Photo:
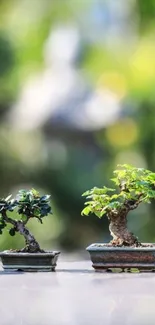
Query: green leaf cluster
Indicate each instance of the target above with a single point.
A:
(7, 204)
(28, 204)
(12, 232)
(131, 185)
(31, 204)
(100, 201)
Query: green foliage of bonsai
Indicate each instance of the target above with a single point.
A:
(133, 186)
(28, 204)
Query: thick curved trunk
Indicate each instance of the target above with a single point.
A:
(32, 245)
(118, 229)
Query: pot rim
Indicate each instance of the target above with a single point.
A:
(46, 254)
(103, 247)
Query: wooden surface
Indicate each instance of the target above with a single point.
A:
(76, 295)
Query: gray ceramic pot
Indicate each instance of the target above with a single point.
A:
(29, 261)
(108, 257)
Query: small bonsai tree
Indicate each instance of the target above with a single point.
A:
(28, 204)
(133, 186)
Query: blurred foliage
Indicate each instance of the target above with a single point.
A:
(127, 69)
(146, 11)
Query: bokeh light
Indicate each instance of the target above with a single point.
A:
(77, 97)
(123, 133)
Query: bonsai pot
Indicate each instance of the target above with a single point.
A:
(106, 257)
(29, 261)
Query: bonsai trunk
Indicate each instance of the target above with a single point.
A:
(32, 245)
(118, 230)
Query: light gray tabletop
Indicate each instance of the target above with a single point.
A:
(76, 295)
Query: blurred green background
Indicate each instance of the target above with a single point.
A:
(77, 97)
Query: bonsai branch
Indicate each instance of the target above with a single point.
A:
(40, 220)
(132, 204)
(32, 216)
(7, 219)
(122, 186)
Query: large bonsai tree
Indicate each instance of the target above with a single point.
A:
(28, 204)
(133, 186)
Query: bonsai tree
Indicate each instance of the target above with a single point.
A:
(132, 187)
(28, 204)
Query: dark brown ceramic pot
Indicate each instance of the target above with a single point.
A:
(29, 261)
(108, 257)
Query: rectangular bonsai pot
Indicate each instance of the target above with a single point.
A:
(107, 257)
(29, 261)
